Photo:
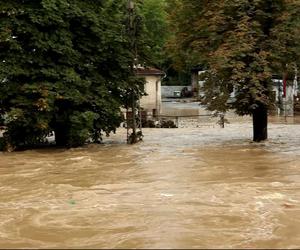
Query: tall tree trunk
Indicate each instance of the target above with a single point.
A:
(260, 123)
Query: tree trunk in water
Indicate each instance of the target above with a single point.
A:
(61, 136)
(260, 123)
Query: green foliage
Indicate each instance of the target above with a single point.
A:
(175, 77)
(156, 31)
(64, 67)
(240, 43)
(25, 128)
(82, 124)
(153, 40)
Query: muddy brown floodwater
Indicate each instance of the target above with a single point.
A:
(180, 188)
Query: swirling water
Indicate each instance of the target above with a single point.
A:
(180, 188)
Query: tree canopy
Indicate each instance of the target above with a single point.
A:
(241, 44)
(156, 32)
(64, 67)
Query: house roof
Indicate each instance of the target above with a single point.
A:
(149, 71)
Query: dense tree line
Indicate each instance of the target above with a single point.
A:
(67, 66)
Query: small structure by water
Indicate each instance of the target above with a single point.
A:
(152, 102)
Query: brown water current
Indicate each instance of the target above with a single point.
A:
(202, 187)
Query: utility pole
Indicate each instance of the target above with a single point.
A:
(135, 136)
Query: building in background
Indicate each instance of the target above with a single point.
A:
(285, 93)
(151, 103)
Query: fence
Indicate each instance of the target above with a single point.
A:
(179, 121)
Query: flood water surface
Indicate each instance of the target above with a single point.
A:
(181, 188)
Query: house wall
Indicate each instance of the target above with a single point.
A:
(149, 102)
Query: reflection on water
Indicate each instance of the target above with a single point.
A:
(180, 188)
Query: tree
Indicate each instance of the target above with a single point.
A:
(241, 43)
(156, 32)
(64, 67)
(154, 16)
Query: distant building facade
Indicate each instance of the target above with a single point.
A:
(151, 102)
(284, 94)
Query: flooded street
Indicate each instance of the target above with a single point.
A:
(200, 187)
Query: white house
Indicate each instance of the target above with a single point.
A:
(151, 102)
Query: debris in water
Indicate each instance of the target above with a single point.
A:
(286, 205)
(167, 195)
(72, 202)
